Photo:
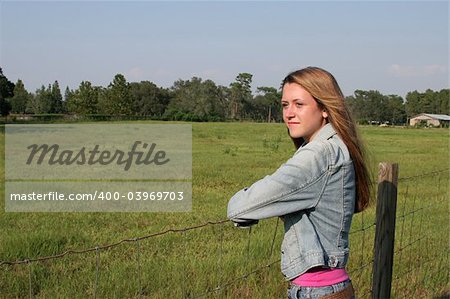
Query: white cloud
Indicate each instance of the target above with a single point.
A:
(434, 69)
(416, 71)
(135, 73)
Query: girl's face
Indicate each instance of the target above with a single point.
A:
(301, 113)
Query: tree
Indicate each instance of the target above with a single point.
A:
(368, 106)
(396, 109)
(116, 99)
(430, 101)
(6, 86)
(240, 94)
(41, 102)
(56, 102)
(5, 106)
(413, 105)
(354, 106)
(69, 100)
(376, 105)
(20, 99)
(372, 106)
(266, 104)
(149, 99)
(443, 99)
(196, 100)
(46, 100)
(84, 100)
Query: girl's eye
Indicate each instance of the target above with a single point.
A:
(299, 104)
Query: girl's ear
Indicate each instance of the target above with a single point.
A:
(324, 114)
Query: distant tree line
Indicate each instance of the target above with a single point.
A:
(372, 106)
(201, 100)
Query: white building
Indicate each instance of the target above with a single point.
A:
(436, 120)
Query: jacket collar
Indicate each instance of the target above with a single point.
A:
(326, 132)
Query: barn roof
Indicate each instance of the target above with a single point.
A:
(435, 116)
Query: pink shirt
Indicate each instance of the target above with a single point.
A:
(321, 277)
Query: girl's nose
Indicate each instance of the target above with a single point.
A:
(289, 112)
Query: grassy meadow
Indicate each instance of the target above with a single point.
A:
(219, 261)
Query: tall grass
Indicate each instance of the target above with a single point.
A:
(208, 261)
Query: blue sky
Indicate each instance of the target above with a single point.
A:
(393, 47)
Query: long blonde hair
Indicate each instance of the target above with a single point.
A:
(325, 90)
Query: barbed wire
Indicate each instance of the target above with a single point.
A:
(103, 247)
(427, 174)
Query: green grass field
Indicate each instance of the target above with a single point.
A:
(190, 264)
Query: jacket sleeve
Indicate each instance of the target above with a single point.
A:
(296, 185)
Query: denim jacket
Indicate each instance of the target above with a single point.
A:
(314, 193)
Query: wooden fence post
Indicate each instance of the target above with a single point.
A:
(385, 230)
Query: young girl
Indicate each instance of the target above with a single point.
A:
(316, 192)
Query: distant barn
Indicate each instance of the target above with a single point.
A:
(426, 119)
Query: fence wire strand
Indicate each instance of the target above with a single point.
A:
(103, 247)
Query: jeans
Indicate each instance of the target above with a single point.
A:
(298, 292)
